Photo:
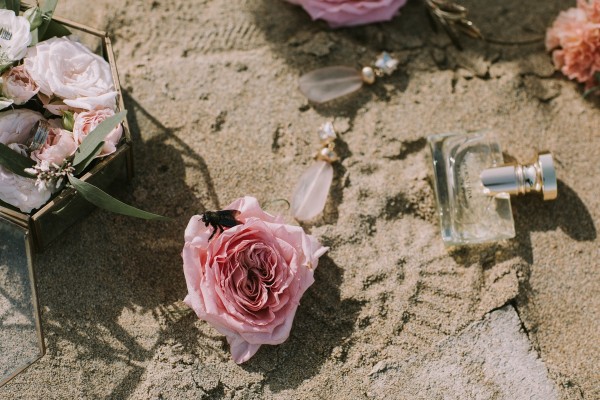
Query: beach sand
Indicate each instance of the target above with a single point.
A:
(211, 90)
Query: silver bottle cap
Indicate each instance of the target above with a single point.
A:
(539, 176)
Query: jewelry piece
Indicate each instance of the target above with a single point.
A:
(453, 18)
(325, 84)
(41, 129)
(312, 189)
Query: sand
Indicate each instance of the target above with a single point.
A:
(211, 91)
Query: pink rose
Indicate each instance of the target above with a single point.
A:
(86, 122)
(18, 86)
(574, 39)
(247, 281)
(59, 146)
(339, 13)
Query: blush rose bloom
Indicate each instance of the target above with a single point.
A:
(339, 13)
(247, 281)
(18, 191)
(15, 47)
(86, 122)
(59, 146)
(18, 86)
(574, 39)
(70, 71)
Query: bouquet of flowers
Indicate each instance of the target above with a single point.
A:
(60, 112)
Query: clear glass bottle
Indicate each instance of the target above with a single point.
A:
(469, 215)
(473, 186)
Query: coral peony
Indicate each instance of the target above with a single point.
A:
(574, 40)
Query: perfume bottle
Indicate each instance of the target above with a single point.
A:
(473, 186)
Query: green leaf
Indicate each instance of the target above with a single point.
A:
(14, 5)
(14, 161)
(34, 16)
(91, 141)
(68, 120)
(591, 91)
(84, 164)
(47, 10)
(55, 29)
(103, 200)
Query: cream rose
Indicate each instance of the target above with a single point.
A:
(18, 86)
(70, 71)
(86, 122)
(14, 35)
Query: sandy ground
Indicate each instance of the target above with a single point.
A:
(211, 91)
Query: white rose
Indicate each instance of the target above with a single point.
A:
(69, 70)
(15, 125)
(18, 191)
(21, 192)
(14, 35)
(18, 86)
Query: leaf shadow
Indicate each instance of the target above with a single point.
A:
(109, 267)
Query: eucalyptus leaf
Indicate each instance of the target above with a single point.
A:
(34, 16)
(91, 141)
(55, 29)
(103, 200)
(14, 5)
(47, 8)
(84, 164)
(14, 161)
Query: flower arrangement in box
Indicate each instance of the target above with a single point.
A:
(62, 121)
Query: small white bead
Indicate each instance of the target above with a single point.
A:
(368, 75)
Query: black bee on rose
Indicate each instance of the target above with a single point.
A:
(219, 220)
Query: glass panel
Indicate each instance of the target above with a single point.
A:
(20, 334)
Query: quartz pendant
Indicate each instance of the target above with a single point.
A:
(311, 192)
(329, 83)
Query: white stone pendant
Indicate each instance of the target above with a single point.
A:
(310, 194)
(329, 83)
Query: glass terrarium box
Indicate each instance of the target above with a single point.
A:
(23, 234)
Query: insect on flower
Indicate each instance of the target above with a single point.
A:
(220, 219)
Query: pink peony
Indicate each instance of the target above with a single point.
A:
(339, 13)
(59, 146)
(18, 86)
(574, 39)
(247, 281)
(86, 122)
